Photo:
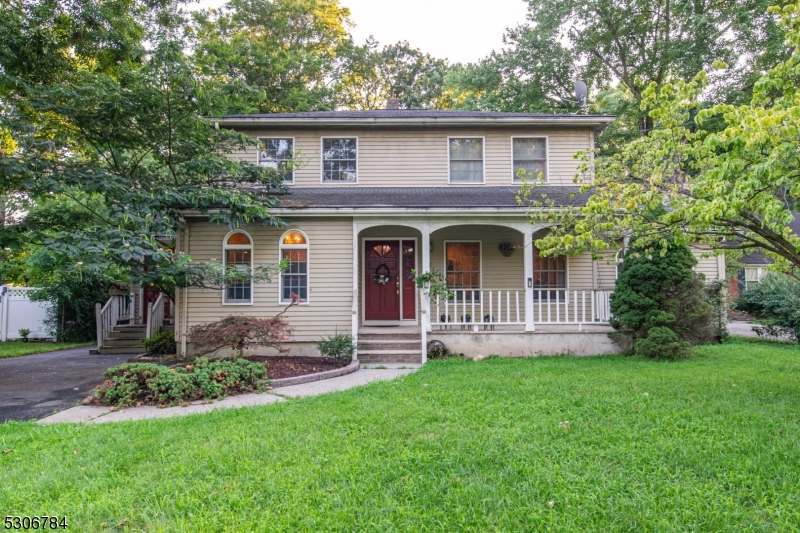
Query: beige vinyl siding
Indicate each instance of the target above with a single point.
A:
(330, 276)
(605, 270)
(418, 157)
(710, 266)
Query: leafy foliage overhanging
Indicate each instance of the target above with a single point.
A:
(728, 175)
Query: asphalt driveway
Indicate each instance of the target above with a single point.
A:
(38, 385)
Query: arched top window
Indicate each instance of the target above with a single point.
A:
(238, 252)
(239, 238)
(293, 238)
(294, 278)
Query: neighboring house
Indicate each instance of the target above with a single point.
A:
(379, 194)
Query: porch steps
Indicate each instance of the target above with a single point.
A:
(126, 339)
(389, 347)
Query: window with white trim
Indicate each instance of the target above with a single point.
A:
(530, 156)
(238, 252)
(463, 269)
(278, 154)
(466, 159)
(339, 159)
(294, 278)
(548, 273)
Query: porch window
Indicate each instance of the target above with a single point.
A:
(277, 154)
(463, 269)
(549, 273)
(238, 253)
(294, 278)
(339, 160)
(466, 160)
(530, 156)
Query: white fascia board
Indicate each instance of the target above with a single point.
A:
(568, 120)
(349, 212)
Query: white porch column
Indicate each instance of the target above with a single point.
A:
(356, 266)
(426, 267)
(528, 236)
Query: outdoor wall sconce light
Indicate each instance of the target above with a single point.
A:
(530, 283)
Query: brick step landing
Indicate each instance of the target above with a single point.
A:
(390, 346)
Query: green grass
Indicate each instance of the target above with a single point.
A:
(709, 444)
(18, 348)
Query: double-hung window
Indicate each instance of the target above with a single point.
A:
(466, 159)
(530, 158)
(277, 154)
(339, 160)
(238, 263)
(294, 278)
(463, 270)
(549, 273)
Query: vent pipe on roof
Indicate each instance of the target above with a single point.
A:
(393, 103)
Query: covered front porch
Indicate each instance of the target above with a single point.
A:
(503, 297)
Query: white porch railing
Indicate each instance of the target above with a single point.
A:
(507, 307)
(470, 306)
(108, 316)
(155, 316)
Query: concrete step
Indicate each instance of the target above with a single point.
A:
(119, 343)
(390, 336)
(126, 335)
(108, 351)
(389, 344)
(390, 356)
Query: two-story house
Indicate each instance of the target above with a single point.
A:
(378, 195)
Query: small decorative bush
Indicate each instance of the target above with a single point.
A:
(339, 346)
(24, 332)
(146, 383)
(662, 343)
(239, 333)
(160, 344)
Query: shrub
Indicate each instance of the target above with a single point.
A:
(239, 333)
(339, 346)
(662, 343)
(662, 291)
(146, 383)
(776, 301)
(160, 344)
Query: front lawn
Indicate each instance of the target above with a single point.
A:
(17, 348)
(550, 444)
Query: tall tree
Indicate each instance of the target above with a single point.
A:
(728, 175)
(633, 43)
(132, 152)
(288, 48)
(371, 75)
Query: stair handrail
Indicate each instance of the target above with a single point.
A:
(106, 317)
(155, 316)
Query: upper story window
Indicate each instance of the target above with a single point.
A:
(339, 159)
(278, 153)
(530, 155)
(466, 159)
(294, 279)
(238, 252)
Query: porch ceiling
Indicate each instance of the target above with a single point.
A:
(423, 197)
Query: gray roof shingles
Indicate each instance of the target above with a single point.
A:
(423, 197)
(410, 113)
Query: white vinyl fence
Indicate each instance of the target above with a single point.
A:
(18, 312)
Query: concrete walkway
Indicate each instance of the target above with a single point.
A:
(36, 385)
(92, 414)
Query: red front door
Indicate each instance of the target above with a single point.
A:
(382, 280)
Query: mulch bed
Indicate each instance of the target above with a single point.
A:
(280, 366)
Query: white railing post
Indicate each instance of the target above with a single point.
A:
(99, 324)
(424, 329)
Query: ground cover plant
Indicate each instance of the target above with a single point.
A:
(548, 444)
(18, 348)
(147, 383)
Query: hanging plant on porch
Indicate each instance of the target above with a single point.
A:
(436, 284)
(382, 275)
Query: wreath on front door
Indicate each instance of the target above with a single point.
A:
(382, 275)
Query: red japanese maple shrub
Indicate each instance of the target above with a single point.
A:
(241, 332)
